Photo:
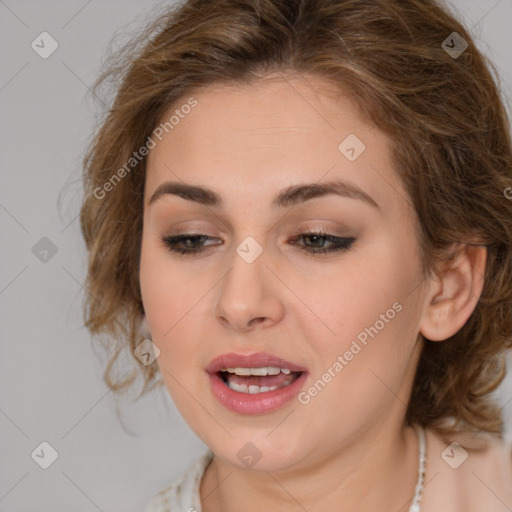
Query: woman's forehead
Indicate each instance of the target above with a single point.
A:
(276, 132)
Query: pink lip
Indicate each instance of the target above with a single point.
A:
(259, 359)
(246, 403)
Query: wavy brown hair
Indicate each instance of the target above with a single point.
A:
(451, 148)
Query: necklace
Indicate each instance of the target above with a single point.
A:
(415, 505)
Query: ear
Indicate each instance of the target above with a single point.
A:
(454, 292)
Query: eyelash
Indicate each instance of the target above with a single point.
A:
(340, 243)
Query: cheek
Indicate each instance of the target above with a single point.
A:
(174, 304)
(343, 301)
(155, 288)
(364, 369)
(168, 307)
(166, 294)
(367, 315)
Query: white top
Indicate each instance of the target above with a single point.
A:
(182, 495)
(475, 479)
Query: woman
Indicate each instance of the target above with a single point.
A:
(302, 204)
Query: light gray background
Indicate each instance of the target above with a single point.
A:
(51, 380)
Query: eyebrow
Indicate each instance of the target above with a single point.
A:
(289, 196)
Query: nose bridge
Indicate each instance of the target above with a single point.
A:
(243, 294)
(246, 272)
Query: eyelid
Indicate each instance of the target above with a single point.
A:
(321, 230)
(338, 243)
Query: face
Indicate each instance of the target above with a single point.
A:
(301, 344)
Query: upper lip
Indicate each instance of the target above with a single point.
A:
(257, 360)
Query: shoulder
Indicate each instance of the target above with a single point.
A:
(182, 494)
(470, 472)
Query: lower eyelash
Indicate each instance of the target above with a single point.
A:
(172, 241)
(339, 243)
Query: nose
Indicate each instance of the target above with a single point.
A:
(248, 295)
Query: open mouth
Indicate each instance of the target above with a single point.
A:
(257, 380)
(257, 383)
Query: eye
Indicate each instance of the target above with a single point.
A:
(338, 243)
(192, 243)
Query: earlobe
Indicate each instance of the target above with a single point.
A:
(455, 293)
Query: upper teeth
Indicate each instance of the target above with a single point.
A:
(261, 371)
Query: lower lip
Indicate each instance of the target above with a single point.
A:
(257, 403)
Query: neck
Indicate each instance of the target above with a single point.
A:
(378, 472)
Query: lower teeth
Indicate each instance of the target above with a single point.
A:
(253, 390)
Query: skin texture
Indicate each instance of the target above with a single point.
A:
(348, 447)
